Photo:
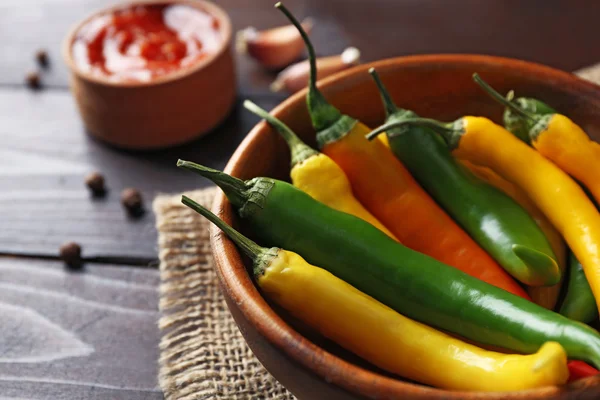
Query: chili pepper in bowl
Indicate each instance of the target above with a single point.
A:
(498, 223)
(515, 123)
(318, 175)
(383, 337)
(415, 285)
(482, 142)
(560, 140)
(579, 370)
(545, 296)
(579, 303)
(386, 188)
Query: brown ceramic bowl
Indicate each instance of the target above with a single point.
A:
(438, 86)
(166, 111)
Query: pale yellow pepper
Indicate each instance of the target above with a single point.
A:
(398, 344)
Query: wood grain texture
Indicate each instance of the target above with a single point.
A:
(44, 157)
(558, 33)
(69, 335)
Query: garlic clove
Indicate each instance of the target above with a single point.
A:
(295, 77)
(273, 48)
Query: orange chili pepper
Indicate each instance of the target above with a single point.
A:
(386, 188)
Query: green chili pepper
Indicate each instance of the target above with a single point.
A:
(579, 303)
(412, 283)
(499, 224)
(517, 123)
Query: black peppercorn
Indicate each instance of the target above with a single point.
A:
(70, 253)
(41, 56)
(131, 199)
(95, 182)
(33, 80)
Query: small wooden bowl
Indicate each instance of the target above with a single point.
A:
(166, 111)
(437, 86)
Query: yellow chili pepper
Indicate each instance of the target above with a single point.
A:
(385, 338)
(397, 344)
(318, 175)
(545, 296)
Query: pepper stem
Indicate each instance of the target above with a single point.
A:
(234, 188)
(322, 114)
(443, 129)
(388, 103)
(299, 150)
(507, 102)
(249, 247)
(449, 132)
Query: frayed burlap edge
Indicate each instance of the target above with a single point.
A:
(202, 353)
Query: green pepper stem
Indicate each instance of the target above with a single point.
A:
(501, 99)
(299, 150)
(388, 103)
(322, 114)
(249, 247)
(234, 188)
(443, 129)
(449, 132)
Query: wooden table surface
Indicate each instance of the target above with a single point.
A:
(93, 335)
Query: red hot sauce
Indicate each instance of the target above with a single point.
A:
(143, 42)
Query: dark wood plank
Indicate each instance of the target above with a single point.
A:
(560, 33)
(44, 157)
(87, 335)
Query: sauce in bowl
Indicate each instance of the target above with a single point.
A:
(143, 42)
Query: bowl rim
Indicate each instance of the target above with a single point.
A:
(239, 286)
(206, 6)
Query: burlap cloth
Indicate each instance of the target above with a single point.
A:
(202, 353)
